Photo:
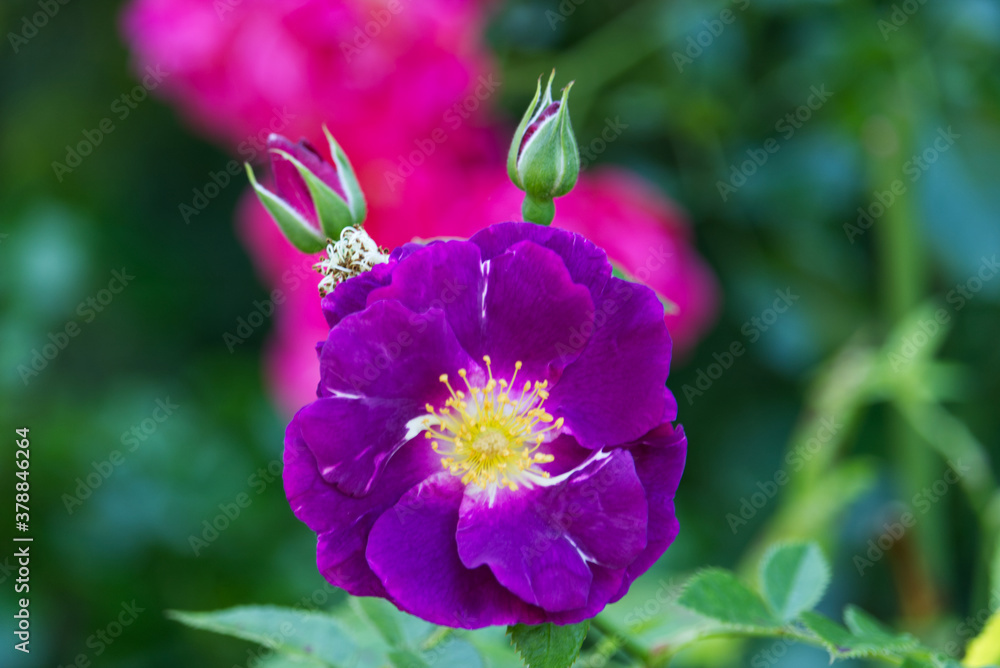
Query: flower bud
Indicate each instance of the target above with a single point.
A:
(312, 200)
(544, 160)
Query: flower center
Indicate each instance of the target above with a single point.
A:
(489, 435)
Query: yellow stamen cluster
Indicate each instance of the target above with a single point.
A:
(488, 436)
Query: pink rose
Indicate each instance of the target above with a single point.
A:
(380, 75)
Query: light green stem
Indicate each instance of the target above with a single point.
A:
(538, 211)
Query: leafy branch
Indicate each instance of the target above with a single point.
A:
(791, 581)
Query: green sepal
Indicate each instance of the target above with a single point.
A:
(296, 229)
(331, 209)
(549, 164)
(515, 145)
(348, 180)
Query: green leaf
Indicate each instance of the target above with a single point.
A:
(454, 652)
(348, 180)
(284, 661)
(793, 578)
(866, 637)
(314, 637)
(865, 626)
(937, 661)
(916, 663)
(493, 645)
(413, 642)
(717, 594)
(835, 637)
(382, 616)
(407, 658)
(548, 645)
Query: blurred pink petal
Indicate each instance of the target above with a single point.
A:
(379, 79)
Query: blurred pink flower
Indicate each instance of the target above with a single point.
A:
(639, 228)
(406, 88)
(382, 75)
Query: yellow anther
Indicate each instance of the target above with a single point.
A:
(493, 436)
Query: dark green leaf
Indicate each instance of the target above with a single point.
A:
(549, 645)
(868, 628)
(866, 637)
(382, 616)
(406, 658)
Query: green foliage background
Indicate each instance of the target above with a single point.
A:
(828, 357)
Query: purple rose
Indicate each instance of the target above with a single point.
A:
(492, 442)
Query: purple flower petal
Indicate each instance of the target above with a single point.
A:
(352, 439)
(447, 276)
(522, 306)
(659, 461)
(567, 455)
(343, 522)
(541, 542)
(534, 313)
(587, 264)
(412, 549)
(607, 582)
(390, 352)
(614, 392)
(381, 366)
(351, 296)
(390, 523)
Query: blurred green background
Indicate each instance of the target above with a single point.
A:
(895, 415)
